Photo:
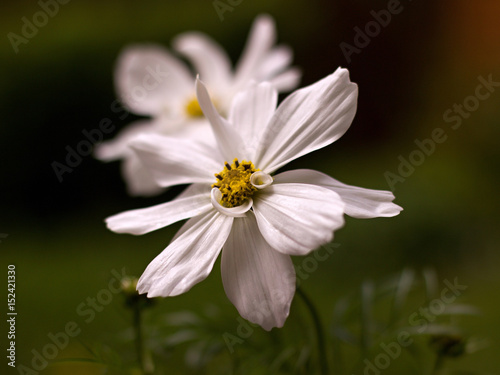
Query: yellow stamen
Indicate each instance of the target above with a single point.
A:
(234, 183)
(193, 108)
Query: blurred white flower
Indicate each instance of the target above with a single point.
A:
(257, 219)
(152, 82)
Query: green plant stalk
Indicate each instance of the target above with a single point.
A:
(438, 366)
(145, 362)
(318, 326)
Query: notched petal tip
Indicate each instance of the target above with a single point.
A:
(343, 75)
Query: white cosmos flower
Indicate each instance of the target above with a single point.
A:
(258, 220)
(152, 82)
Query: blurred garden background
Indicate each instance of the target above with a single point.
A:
(417, 73)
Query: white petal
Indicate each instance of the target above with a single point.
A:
(117, 147)
(308, 119)
(189, 259)
(208, 58)
(238, 211)
(198, 130)
(195, 189)
(145, 220)
(298, 218)
(148, 77)
(261, 180)
(274, 62)
(261, 39)
(258, 280)
(192, 189)
(176, 161)
(287, 81)
(250, 113)
(360, 203)
(139, 180)
(230, 143)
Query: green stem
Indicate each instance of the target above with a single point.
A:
(438, 365)
(138, 335)
(318, 326)
(143, 358)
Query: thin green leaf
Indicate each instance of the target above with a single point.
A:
(431, 283)
(182, 318)
(285, 355)
(367, 323)
(461, 310)
(181, 336)
(435, 329)
(402, 290)
(78, 360)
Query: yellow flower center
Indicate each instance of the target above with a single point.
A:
(193, 108)
(234, 183)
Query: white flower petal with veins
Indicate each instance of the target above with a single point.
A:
(360, 203)
(298, 218)
(307, 120)
(258, 280)
(172, 161)
(250, 114)
(189, 259)
(192, 203)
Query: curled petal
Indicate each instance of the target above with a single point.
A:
(238, 211)
(261, 179)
